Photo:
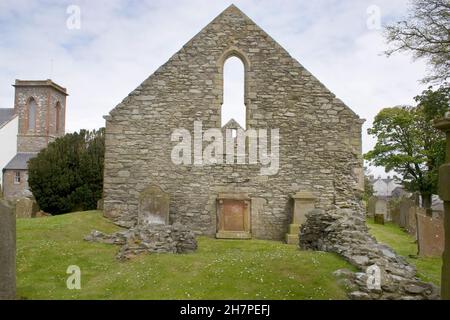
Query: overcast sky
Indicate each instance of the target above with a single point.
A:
(121, 42)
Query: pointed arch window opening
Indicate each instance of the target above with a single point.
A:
(233, 106)
(58, 117)
(32, 109)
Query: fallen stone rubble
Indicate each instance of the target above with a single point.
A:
(344, 232)
(174, 238)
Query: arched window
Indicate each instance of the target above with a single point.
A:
(234, 92)
(32, 108)
(57, 117)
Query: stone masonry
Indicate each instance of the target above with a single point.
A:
(344, 231)
(320, 137)
(44, 102)
(13, 189)
(174, 238)
(47, 96)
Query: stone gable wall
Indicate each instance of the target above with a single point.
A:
(320, 137)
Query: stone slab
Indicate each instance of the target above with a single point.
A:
(294, 229)
(304, 201)
(444, 182)
(431, 236)
(379, 218)
(292, 239)
(26, 208)
(7, 252)
(233, 235)
(153, 206)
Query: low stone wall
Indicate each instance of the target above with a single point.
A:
(174, 238)
(344, 231)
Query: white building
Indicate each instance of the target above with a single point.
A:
(384, 187)
(9, 124)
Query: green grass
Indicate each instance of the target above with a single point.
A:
(220, 269)
(428, 269)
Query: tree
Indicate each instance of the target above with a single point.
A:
(425, 33)
(67, 176)
(408, 143)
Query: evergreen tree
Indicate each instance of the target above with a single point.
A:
(67, 176)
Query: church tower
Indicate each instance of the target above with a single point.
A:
(41, 107)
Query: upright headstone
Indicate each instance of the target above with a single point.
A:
(371, 206)
(100, 204)
(381, 207)
(153, 206)
(26, 208)
(7, 252)
(379, 219)
(394, 210)
(444, 193)
(405, 205)
(411, 225)
(430, 236)
(304, 202)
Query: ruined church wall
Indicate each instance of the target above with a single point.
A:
(320, 138)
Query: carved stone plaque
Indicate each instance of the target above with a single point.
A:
(233, 216)
(153, 206)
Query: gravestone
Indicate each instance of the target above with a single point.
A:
(379, 219)
(304, 202)
(153, 207)
(411, 222)
(405, 206)
(100, 204)
(394, 210)
(430, 236)
(381, 208)
(26, 208)
(371, 206)
(233, 216)
(444, 194)
(7, 252)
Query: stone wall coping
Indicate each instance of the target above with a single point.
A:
(443, 124)
(305, 195)
(40, 83)
(233, 196)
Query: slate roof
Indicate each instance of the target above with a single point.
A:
(20, 161)
(6, 114)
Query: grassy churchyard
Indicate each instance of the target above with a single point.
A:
(428, 269)
(220, 269)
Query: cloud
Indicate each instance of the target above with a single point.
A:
(121, 42)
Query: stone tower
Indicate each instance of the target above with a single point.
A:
(41, 107)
